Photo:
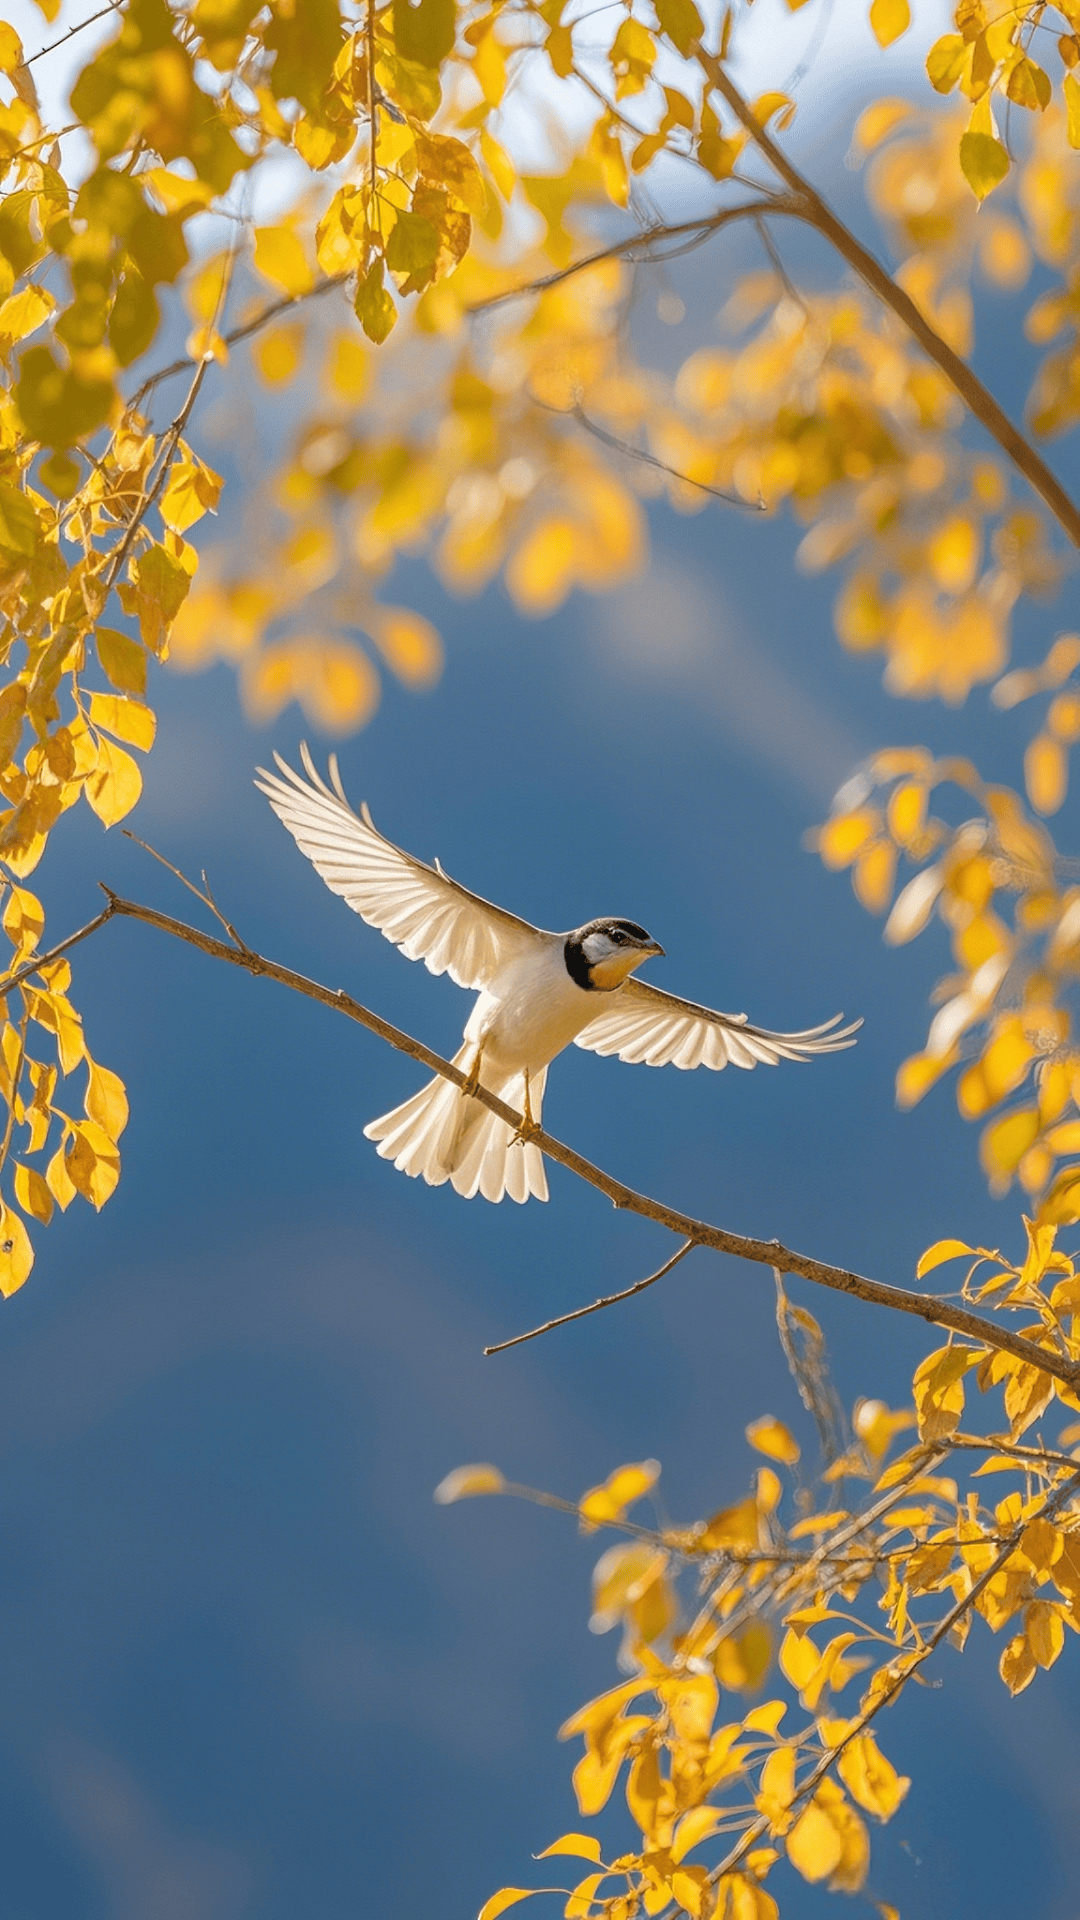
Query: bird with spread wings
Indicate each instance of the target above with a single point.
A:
(536, 992)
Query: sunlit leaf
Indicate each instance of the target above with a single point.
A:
(463, 1482)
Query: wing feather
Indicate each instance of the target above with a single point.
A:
(425, 913)
(646, 1026)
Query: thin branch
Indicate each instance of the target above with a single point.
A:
(645, 237)
(9, 982)
(769, 1253)
(659, 466)
(113, 7)
(906, 1665)
(809, 205)
(244, 332)
(609, 1300)
(201, 893)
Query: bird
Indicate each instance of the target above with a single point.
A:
(536, 992)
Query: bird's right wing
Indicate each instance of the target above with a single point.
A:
(425, 913)
(645, 1025)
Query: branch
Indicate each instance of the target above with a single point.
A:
(259, 320)
(647, 236)
(905, 1667)
(808, 204)
(579, 1313)
(769, 1253)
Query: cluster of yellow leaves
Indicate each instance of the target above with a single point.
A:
(83, 1156)
(763, 1785)
(1014, 925)
(990, 55)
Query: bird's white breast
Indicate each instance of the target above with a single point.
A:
(531, 1010)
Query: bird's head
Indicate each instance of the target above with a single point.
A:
(607, 951)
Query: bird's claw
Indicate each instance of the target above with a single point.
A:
(529, 1128)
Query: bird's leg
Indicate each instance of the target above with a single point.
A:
(472, 1078)
(528, 1128)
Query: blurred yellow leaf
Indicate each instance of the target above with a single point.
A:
(842, 838)
(348, 367)
(741, 1659)
(1005, 1142)
(409, 644)
(875, 872)
(1046, 773)
(771, 1437)
(280, 258)
(463, 1482)
(277, 354)
(620, 1490)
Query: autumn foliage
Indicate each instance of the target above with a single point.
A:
(444, 320)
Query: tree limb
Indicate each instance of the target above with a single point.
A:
(769, 1253)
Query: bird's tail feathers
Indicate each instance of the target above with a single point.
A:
(441, 1134)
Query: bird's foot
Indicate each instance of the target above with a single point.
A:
(472, 1078)
(529, 1128)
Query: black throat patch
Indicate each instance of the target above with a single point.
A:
(577, 966)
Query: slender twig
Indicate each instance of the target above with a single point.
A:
(609, 1300)
(201, 893)
(660, 466)
(244, 332)
(770, 1253)
(645, 237)
(809, 205)
(113, 7)
(8, 982)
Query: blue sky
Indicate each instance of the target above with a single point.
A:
(251, 1670)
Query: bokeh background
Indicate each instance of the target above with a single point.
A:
(250, 1671)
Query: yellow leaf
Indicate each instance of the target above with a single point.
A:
(814, 1845)
(59, 1180)
(464, 1482)
(1046, 773)
(115, 784)
(799, 1658)
(409, 644)
(22, 313)
(741, 1660)
(122, 659)
(93, 1162)
(915, 1076)
(11, 53)
(1045, 1629)
(693, 1828)
(106, 1100)
(1017, 1664)
(776, 1787)
(889, 19)
(192, 491)
(277, 354)
(583, 1846)
(875, 871)
(348, 367)
(907, 812)
(1070, 87)
(509, 1897)
(984, 162)
(280, 258)
(954, 554)
(16, 1252)
(619, 1490)
(870, 1778)
(771, 1437)
(878, 120)
(32, 1193)
(542, 570)
(941, 1251)
(938, 1389)
(843, 837)
(128, 719)
(1005, 1142)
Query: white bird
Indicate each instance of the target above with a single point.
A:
(537, 992)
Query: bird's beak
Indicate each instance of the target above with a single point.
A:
(654, 947)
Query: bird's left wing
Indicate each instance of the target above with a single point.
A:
(643, 1024)
(425, 913)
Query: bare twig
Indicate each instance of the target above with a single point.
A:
(770, 1253)
(609, 1300)
(244, 332)
(645, 237)
(659, 466)
(201, 893)
(113, 7)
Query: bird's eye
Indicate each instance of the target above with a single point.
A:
(619, 938)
